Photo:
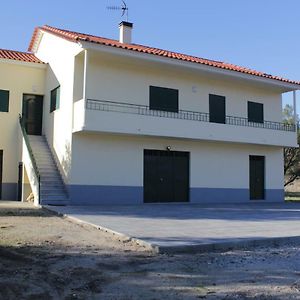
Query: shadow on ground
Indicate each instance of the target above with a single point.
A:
(24, 212)
(52, 273)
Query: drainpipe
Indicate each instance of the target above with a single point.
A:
(85, 74)
(295, 110)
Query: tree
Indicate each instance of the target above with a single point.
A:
(288, 114)
(291, 165)
(291, 154)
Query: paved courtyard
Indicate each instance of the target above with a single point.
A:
(178, 227)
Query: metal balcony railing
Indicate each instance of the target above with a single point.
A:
(129, 108)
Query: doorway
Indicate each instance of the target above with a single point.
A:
(1, 171)
(166, 176)
(32, 113)
(20, 180)
(257, 177)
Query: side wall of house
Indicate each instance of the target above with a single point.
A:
(108, 169)
(60, 55)
(18, 79)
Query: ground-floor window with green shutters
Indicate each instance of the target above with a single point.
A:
(4, 101)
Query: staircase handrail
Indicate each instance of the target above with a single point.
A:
(29, 149)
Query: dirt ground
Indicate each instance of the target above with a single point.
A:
(44, 256)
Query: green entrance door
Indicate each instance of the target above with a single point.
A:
(32, 113)
(1, 167)
(257, 177)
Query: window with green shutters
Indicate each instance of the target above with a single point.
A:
(255, 112)
(4, 101)
(165, 99)
(55, 99)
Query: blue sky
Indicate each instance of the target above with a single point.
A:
(261, 34)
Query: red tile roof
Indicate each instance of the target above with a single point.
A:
(20, 56)
(77, 37)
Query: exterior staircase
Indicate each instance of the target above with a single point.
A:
(52, 188)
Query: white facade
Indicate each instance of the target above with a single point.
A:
(117, 80)
(219, 172)
(18, 78)
(103, 124)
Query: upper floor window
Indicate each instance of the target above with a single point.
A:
(4, 101)
(163, 99)
(55, 99)
(217, 109)
(255, 112)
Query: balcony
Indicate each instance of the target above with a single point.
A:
(126, 118)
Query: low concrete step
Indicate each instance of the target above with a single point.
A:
(45, 162)
(52, 184)
(53, 197)
(53, 192)
(43, 154)
(48, 172)
(47, 189)
(47, 169)
(55, 202)
(51, 180)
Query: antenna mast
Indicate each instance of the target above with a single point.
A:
(123, 7)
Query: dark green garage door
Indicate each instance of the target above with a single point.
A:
(166, 176)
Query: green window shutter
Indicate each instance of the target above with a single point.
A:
(55, 99)
(255, 112)
(52, 100)
(4, 101)
(217, 109)
(58, 97)
(165, 99)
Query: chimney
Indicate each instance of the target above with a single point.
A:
(125, 32)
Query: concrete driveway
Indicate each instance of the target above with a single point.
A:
(184, 227)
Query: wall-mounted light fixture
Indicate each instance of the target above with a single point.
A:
(168, 148)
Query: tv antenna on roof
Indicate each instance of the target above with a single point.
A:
(123, 7)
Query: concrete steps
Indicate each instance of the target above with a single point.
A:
(52, 188)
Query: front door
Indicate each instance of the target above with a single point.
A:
(20, 183)
(1, 169)
(257, 177)
(166, 176)
(32, 113)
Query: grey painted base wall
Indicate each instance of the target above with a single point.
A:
(93, 195)
(9, 191)
(223, 195)
(118, 195)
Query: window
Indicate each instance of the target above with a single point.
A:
(4, 101)
(217, 109)
(163, 99)
(255, 112)
(55, 99)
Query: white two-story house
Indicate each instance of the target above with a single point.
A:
(112, 122)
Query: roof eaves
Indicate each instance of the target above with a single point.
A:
(15, 55)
